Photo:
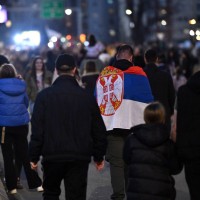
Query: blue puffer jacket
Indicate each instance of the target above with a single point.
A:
(13, 102)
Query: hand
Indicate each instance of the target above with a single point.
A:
(19, 76)
(173, 132)
(33, 165)
(173, 126)
(99, 165)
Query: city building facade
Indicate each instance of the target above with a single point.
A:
(133, 21)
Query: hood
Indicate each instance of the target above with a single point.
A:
(122, 64)
(194, 82)
(12, 86)
(151, 134)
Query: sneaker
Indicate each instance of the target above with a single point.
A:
(14, 191)
(40, 189)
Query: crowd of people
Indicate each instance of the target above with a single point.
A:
(138, 109)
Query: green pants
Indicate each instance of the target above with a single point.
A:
(118, 169)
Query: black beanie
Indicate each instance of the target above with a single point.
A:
(65, 62)
(3, 60)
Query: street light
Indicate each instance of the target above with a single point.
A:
(192, 33)
(198, 37)
(128, 11)
(74, 17)
(68, 11)
(8, 24)
(163, 22)
(197, 32)
(163, 12)
(193, 30)
(192, 21)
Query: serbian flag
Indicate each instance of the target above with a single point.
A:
(122, 96)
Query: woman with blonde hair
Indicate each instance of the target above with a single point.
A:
(14, 120)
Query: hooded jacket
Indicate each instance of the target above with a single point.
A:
(188, 119)
(151, 158)
(13, 102)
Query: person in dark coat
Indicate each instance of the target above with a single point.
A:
(90, 76)
(139, 61)
(161, 84)
(188, 132)
(151, 158)
(162, 63)
(3, 60)
(67, 129)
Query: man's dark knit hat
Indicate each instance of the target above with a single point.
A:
(65, 62)
(3, 60)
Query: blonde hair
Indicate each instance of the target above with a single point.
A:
(154, 113)
(8, 71)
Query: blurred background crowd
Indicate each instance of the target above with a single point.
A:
(92, 31)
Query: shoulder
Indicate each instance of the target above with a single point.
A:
(29, 79)
(162, 75)
(135, 70)
(131, 138)
(182, 89)
(170, 146)
(48, 74)
(44, 93)
(12, 81)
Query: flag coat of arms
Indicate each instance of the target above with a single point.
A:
(122, 96)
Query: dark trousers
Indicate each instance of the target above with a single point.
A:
(15, 147)
(192, 176)
(118, 169)
(74, 175)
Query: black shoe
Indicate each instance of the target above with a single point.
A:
(19, 185)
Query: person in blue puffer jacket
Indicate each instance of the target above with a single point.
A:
(14, 120)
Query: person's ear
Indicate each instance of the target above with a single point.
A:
(157, 60)
(74, 70)
(117, 56)
(145, 60)
(131, 59)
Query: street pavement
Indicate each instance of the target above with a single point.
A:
(99, 187)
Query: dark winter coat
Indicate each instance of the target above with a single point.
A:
(151, 158)
(188, 119)
(162, 88)
(66, 124)
(89, 81)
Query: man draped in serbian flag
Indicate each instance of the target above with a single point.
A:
(122, 91)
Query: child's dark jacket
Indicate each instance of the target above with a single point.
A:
(151, 158)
